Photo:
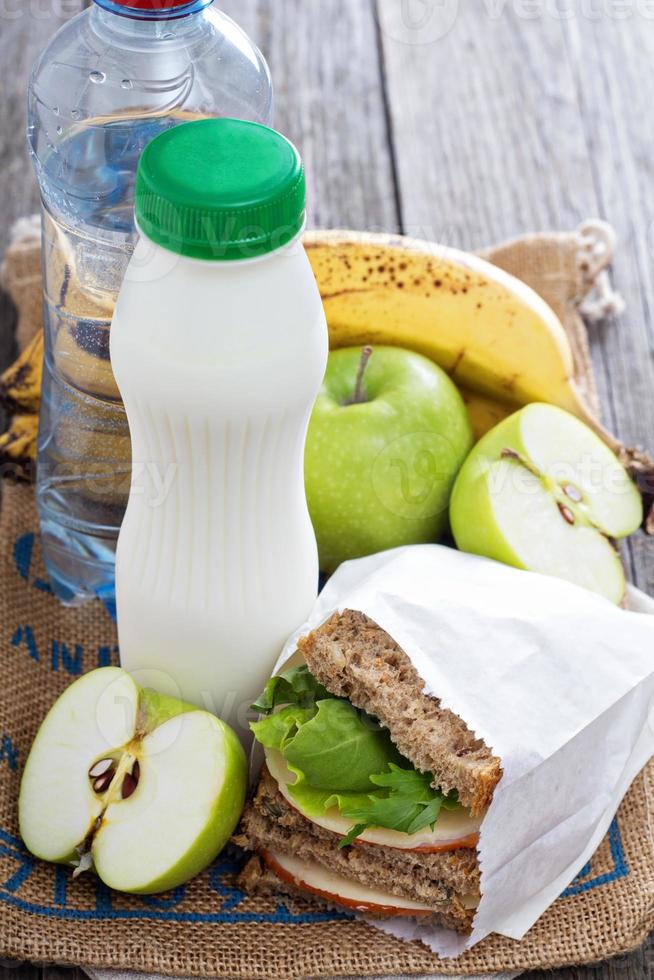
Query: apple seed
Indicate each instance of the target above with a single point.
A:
(131, 781)
(100, 768)
(566, 513)
(103, 782)
(573, 493)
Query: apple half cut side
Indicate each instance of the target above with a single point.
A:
(454, 829)
(144, 788)
(542, 492)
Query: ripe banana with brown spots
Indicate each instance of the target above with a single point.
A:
(20, 394)
(18, 447)
(491, 332)
(20, 384)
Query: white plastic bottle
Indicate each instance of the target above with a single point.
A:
(218, 346)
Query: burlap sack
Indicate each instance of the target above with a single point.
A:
(208, 927)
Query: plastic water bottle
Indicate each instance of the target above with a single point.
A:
(110, 80)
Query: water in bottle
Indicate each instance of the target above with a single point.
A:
(110, 80)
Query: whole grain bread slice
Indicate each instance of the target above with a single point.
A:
(258, 879)
(356, 659)
(270, 822)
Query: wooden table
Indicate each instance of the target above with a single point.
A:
(462, 121)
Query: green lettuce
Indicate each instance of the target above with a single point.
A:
(410, 804)
(295, 686)
(341, 757)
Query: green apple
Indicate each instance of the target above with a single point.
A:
(387, 435)
(541, 491)
(144, 788)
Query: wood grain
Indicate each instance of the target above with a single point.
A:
(486, 124)
(15, 971)
(324, 60)
(616, 100)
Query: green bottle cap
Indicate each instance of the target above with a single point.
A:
(220, 189)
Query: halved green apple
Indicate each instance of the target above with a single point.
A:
(144, 788)
(542, 492)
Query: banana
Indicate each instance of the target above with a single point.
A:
(488, 330)
(484, 412)
(18, 447)
(20, 385)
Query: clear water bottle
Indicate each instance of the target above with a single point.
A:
(109, 81)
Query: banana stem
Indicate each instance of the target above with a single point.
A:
(359, 394)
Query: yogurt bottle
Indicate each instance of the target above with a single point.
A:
(218, 346)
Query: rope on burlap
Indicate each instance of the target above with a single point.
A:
(596, 246)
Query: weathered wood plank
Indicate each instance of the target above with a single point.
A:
(633, 966)
(11, 970)
(486, 123)
(324, 59)
(611, 59)
(59, 973)
(62, 973)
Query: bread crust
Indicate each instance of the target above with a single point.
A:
(354, 658)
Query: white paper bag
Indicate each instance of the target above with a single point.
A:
(556, 680)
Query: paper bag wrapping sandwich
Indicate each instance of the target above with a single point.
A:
(557, 681)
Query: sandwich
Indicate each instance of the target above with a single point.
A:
(372, 794)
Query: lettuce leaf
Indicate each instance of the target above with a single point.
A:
(410, 804)
(340, 748)
(294, 686)
(341, 757)
(276, 731)
(316, 802)
(334, 746)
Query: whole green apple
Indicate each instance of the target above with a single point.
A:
(388, 433)
(143, 788)
(542, 492)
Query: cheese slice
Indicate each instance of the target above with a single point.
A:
(453, 828)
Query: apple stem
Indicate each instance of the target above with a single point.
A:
(359, 394)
